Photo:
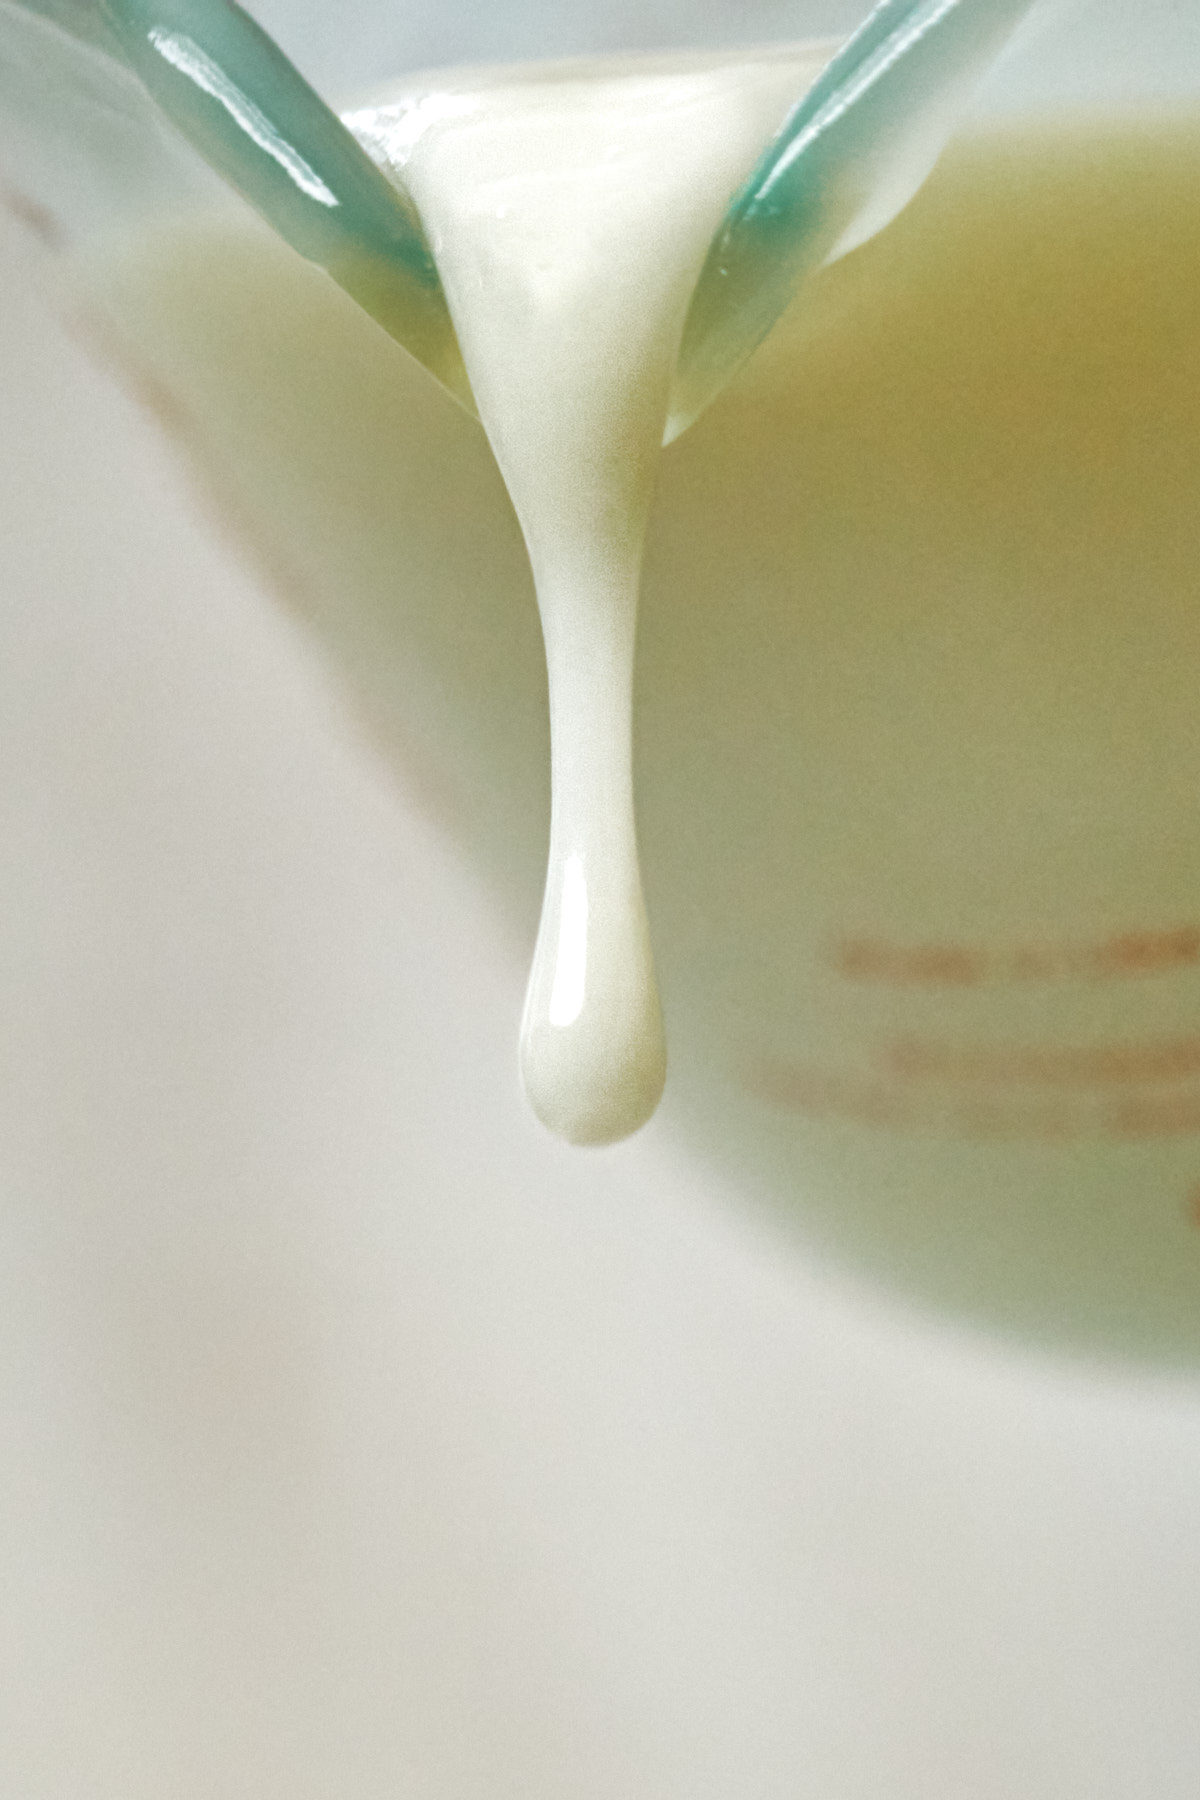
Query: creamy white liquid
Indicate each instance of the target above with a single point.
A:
(570, 212)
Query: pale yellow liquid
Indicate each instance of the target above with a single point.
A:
(917, 741)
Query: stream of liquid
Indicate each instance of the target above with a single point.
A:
(569, 212)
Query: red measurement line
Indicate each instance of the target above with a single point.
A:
(982, 1115)
(1037, 1065)
(876, 961)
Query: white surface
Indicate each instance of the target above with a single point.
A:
(355, 1441)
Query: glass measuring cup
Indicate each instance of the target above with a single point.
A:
(503, 1475)
(981, 1098)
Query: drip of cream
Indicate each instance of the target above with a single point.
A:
(570, 210)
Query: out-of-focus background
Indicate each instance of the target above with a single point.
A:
(426, 35)
(355, 1440)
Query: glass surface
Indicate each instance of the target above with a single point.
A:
(1088, 1243)
(357, 1441)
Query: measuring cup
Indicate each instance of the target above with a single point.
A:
(357, 1439)
(958, 1060)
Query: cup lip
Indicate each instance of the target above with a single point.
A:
(612, 65)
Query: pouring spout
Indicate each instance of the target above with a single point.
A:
(228, 87)
(850, 156)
